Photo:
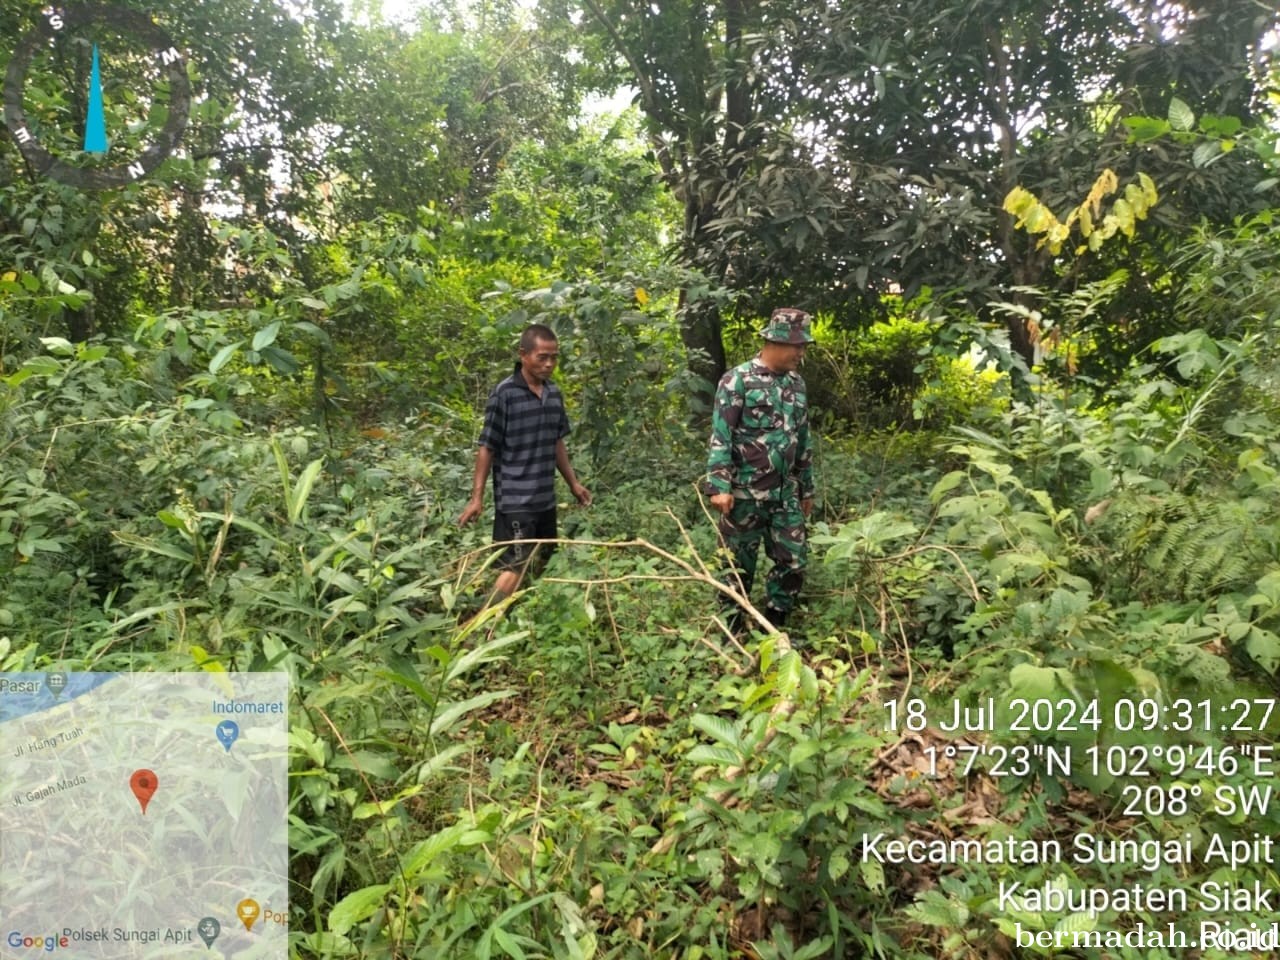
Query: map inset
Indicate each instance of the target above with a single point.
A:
(144, 815)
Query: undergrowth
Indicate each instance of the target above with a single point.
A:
(597, 770)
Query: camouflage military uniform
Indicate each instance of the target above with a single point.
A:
(761, 453)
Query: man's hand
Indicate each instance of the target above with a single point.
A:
(582, 493)
(806, 507)
(472, 510)
(722, 502)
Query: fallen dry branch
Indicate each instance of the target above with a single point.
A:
(700, 574)
(689, 573)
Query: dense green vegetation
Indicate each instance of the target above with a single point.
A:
(239, 398)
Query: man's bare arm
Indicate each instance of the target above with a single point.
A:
(566, 470)
(474, 507)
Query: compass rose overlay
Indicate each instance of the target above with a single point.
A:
(58, 28)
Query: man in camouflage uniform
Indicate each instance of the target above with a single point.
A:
(760, 465)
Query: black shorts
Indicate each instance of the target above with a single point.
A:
(524, 526)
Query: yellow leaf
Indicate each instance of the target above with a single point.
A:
(1086, 221)
(1039, 219)
(1058, 234)
(642, 297)
(1105, 185)
(1123, 213)
(1018, 200)
(1148, 189)
(9, 277)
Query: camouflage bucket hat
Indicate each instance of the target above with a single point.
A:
(788, 325)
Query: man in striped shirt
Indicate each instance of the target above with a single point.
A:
(522, 445)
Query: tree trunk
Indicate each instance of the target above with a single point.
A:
(81, 321)
(1020, 340)
(704, 347)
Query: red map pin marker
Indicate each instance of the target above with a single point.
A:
(143, 783)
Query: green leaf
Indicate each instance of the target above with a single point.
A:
(838, 864)
(935, 910)
(1100, 482)
(30, 547)
(383, 766)
(718, 729)
(508, 944)
(156, 547)
(1206, 153)
(253, 527)
(427, 851)
(1214, 126)
(715, 756)
(1076, 923)
(487, 652)
(406, 675)
(453, 712)
(380, 807)
(92, 354)
(790, 673)
(484, 948)
(222, 356)
(872, 875)
(42, 366)
(1035, 683)
(266, 336)
(357, 906)
(281, 361)
(1146, 128)
(946, 485)
(149, 612)
(870, 803)
(821, 947)
(58, 345)
(803, 750)
(171, 519)
(1264, 647)
(302, 491)
(440, 762)
(1181, 117)
(27, 371)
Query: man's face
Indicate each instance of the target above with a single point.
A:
(539, 363)
(783, 357)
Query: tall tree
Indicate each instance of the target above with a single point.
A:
(428, 113)
(831, 152)
(688, 61)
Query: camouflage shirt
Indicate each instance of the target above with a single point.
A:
(760, 447)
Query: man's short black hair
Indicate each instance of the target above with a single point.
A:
(533, 333)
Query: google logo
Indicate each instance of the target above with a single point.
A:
(15, 939)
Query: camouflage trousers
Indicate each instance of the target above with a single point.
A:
(781, 525)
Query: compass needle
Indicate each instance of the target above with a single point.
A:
(95, 124)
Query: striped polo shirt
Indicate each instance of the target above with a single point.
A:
(522, 429)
